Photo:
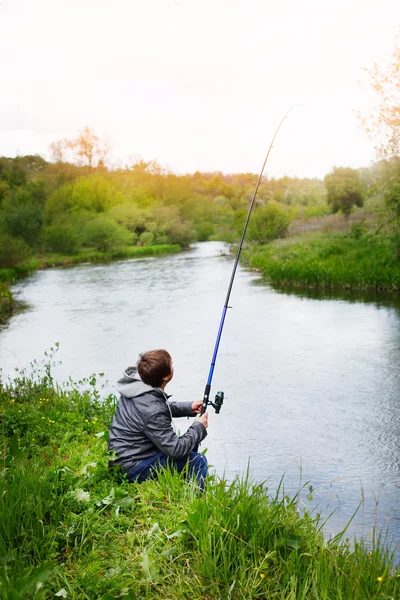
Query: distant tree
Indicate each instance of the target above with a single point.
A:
(105, 234)
(13, 251)
(268, 223)
(388, 184)
(344, 189)
(61, 238)
(383, 123)
(5, 171)
(21, 216)
(59, 150)
(87, 149)
(4, 190)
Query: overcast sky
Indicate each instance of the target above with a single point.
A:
(195, 84)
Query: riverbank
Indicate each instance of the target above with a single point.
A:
(69, 529)
(10, 275)
(328, 261)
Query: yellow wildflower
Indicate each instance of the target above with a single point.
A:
(86, 421)
(262, 575)
(379, 579)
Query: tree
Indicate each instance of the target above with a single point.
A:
(268, 223)
(22, 216)
(61, 238)
(13, 251)
(87, 149)
(344, 189)
(105, 234)
(383, 123)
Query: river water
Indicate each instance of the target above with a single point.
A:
(312, 386)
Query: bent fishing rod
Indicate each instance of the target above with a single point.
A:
(219, 398)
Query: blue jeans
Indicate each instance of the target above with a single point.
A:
(195, 463)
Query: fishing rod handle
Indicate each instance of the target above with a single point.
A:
(206, 398)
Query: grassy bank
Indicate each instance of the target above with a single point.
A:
(12, 274)
(87, 255)
(322, 260)
(68, 529)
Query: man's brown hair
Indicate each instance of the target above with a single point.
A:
(153, 366)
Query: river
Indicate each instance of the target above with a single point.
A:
(312, 387)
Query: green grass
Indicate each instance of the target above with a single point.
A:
(329, 261)
(70, 527)
(90, 255)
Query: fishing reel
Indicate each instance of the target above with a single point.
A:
(218, 402)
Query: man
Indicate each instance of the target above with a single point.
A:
(141, 432)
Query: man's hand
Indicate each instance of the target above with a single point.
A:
(203, 419)
(196, 406)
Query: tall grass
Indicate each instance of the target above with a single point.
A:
(70, 528)
(329, 261)
(87, 255)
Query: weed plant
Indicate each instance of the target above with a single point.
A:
(71, 528)
(358, 262)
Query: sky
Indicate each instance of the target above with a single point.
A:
(195, 84)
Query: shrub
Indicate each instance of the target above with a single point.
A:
(105, 234)
(13, 251)
(268, 223)
(61, 238)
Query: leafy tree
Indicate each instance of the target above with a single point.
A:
(268, 223)
(105, 234)
(17, 177)
(5, 171)
(94, 194)
(204, 231)
(22, 216)
(383, 125)
(13, 251)
(344, 189)
(4, 190)
(61, 238)
(388, 184)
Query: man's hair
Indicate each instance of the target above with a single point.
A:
(153, 366)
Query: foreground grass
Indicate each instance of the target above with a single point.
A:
(70, 529)
(10, 275)
(329, 261)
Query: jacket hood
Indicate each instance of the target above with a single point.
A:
(130, 385)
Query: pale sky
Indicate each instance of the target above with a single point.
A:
(194, 84)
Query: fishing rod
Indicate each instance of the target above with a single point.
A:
(219, 398)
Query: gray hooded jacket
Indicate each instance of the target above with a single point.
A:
(142, 423)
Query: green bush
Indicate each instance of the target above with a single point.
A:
(268, 223)
(61, 238)
(13, 251)
(105, 234)
(22, 215)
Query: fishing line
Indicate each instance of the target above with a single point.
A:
(219, 398)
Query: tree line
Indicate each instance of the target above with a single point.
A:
(76, 202)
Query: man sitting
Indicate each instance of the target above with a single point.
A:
(141, 432)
